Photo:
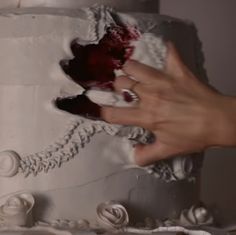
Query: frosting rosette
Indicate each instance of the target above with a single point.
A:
(17, 210)
(182, 167)
(196, 215)
(9, 163)
(112, 215)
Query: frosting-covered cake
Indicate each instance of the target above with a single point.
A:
(60, 170)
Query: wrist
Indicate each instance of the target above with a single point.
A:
(224, 122)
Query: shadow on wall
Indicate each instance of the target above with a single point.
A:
(218, 184)
(215, 20)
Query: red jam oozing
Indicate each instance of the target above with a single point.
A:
(93, 65)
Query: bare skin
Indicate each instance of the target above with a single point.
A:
(185, 115)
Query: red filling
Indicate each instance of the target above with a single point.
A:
(93, 65)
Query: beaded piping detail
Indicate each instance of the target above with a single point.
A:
(178, 168)
(66, 148)
(162, 170)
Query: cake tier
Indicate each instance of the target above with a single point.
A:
(137, 5)
(32, 42)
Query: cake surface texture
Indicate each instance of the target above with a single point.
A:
(62, 171)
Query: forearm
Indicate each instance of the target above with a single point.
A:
(225, 128)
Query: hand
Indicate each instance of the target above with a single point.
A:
(185, 115)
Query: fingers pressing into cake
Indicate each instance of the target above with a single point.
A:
(148, 154)
(141, 72)
(124, 82)
(131, 116)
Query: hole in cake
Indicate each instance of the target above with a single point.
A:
(79, 105)
(94, 65)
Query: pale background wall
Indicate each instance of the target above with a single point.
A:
(216, 22)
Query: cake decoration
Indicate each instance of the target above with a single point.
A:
(81, 224)
(182, 167)
(112, 215)
(9, 163)
(196, 215)
(17, 210)
(78, 134)
(178, 168)
(82, 131)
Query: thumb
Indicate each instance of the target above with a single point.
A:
(174, 64)
(149, 154)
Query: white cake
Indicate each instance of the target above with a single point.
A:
(67, 168)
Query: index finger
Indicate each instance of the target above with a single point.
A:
(141, 72)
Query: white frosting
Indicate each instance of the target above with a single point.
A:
(107, 98)
(32, 43)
